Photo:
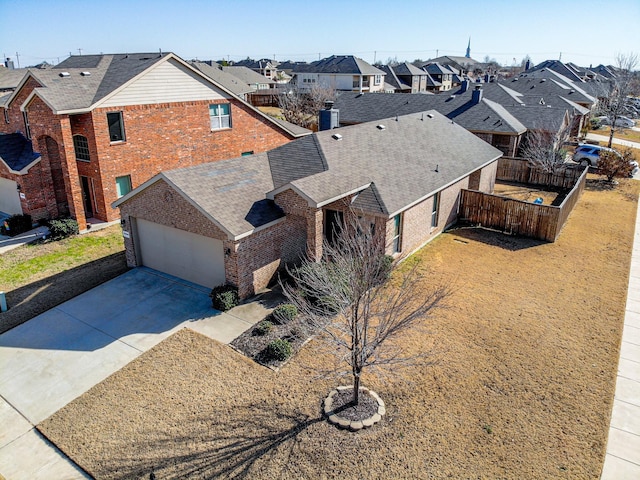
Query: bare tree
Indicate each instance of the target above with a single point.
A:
(301, 107)
(615, 102)
(614, 164)
(353, 299)
(544, 148)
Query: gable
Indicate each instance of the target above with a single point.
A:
(165, 83)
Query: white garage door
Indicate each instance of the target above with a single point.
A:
(186, 255)
(9, 197)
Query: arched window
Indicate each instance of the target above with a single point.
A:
(81, 146)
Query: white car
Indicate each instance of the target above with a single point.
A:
(621, 121)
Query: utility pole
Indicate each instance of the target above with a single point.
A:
(79, 51)
(437, 52)
(560, 56)
(375, 53)
(18, 59)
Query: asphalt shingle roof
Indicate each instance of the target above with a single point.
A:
(16, 151)
(231, 191)
(247, 75)
(347, 64)
(485, 116)
(228, 81)
(390, 168)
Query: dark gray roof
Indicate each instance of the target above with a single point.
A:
(295, 160)
(16, 151)
(436, 69)
(559, 67)
(231, 191)
(391, 79)
(407, 69)
(407, 159)
(215, 73)
(485, 116)
(546, 83)
(347, 64)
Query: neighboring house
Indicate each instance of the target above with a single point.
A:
(485, 118)
(341, 73)
(226, 80)
(103, 124)
(463, 64)
(265, 67)
(405, 77)
(441, 74)
(240, 221)
(254, 80)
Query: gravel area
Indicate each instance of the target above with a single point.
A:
(521, 387)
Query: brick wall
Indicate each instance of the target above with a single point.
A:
(251, 263)
(16, 121)
(167, 136)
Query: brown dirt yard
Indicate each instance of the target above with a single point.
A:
(522, 388)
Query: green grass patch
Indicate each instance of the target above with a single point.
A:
(28, 263)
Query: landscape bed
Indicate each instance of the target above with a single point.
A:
(522, 383)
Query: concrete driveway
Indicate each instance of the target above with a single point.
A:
(50, 360)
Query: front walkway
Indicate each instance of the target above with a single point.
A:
(57, 356)
(622, 461)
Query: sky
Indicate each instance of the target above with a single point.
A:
(584, 32)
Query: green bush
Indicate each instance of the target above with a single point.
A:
(278, 349)
(17, 224)
(284, 313)
(224, 297)
(62, 228)
(263, 328)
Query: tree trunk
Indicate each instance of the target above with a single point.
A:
(356, 388)
(611, 135)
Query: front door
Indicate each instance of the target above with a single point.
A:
(87, 196)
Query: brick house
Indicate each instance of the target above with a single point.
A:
(340, 73)
(101, 125)
(241, 220)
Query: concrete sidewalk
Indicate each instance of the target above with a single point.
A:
(622, 461)
(57, 356)
(616, 141)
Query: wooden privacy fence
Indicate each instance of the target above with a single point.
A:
(518, 170)
(516, 217)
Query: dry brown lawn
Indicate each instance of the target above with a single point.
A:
(522, 388)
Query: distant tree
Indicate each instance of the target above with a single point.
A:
(544, 148)
(352, 298)
(302, 107)
(392, 62)
(616, 165)
(614, 98)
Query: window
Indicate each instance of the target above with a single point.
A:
(6, 115)
(81, 146)
(434, 210)
(220, 115)
(397, 233)
(378, 80)
(123, 185)
(116, 127)
(356, 81)
(27, 129)
(246, 154)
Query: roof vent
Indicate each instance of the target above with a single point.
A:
(336, 136)
(543, 80)
(85, 74)
(380, 127)
(64, 74)
(429, 115)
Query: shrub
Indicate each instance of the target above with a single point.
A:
(263, 328)
(224, 297)
(284, 313)
(63, 228)
(17, 224)
(278, 349)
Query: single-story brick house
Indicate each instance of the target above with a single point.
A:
(239, 221)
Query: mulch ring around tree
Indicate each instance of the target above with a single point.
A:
(342, 412)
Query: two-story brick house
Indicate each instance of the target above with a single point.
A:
(100, 125)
